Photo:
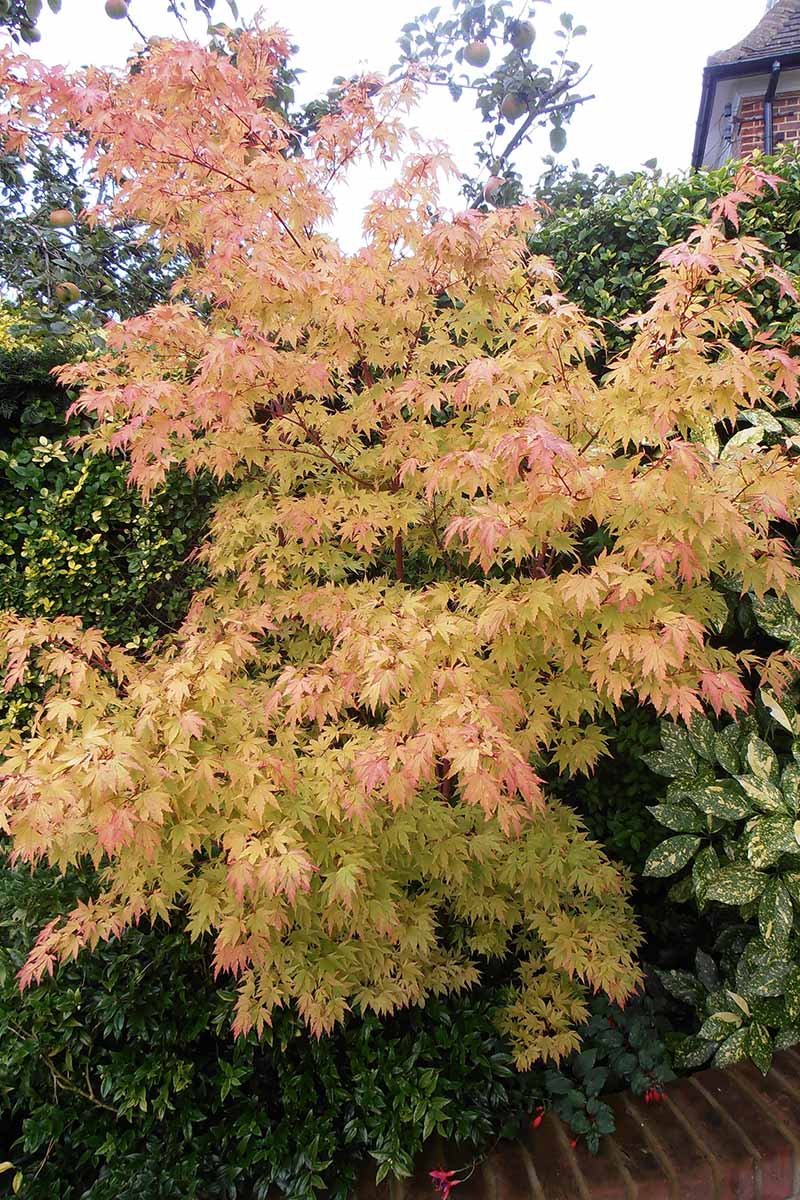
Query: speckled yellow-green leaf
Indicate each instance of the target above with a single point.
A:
(732, 1050)
(777, 616)
(775, 914)
(765, 795)
(762, 760)
(671, 855)
(791, 992)
(791, 881)
(704, 867)
(759, 1046)
(678, 749)
(769, 1010)
(719, 1026)
(768, 839)
(692, 1052)
(702, 737)
(724, 799)
(682, 818)
(769, 979)
(706, 971)
(790, 786)
(682, 891)
(788, 1037)
(739, 1001)
(660, 762)
(726, 749)
(736, 885)
(776, 710)
(683, 985)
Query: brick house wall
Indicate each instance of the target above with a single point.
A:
(750, 122)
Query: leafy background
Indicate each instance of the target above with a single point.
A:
(120, 1078)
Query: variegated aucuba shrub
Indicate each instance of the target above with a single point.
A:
(733, 805)
(448, 552)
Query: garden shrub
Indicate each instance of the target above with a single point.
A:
(733, 805)
(120, 1078)
(605, 244)
(75, 538)
(449, 553)
(324, 779)
(621, 1048)
(610, 800)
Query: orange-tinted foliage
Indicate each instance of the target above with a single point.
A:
(449, 551)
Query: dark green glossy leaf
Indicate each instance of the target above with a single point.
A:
(671, 855)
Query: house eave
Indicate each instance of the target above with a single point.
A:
(736, 70)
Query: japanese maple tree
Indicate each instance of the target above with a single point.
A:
(449, 550)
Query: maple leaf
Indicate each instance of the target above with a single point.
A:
(724, 691)
(444, 548)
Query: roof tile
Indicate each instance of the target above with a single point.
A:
(778, 32)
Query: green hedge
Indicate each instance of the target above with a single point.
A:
(605, 243)
(74, 537)
(120, 1078)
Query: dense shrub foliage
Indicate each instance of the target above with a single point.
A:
(74, 537)
(449, 553)
(452, 567)
(120, 1078)
(733, 804)
(605, 232)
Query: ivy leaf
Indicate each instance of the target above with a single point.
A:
(759, 1046)
(732, 1050)
(736, 885)
(671, 855)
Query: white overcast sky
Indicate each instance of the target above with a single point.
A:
(646, 58)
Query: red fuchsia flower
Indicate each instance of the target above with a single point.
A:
(444, 1182)
(654, 1095)
(538, 1116)
(573, 1142)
